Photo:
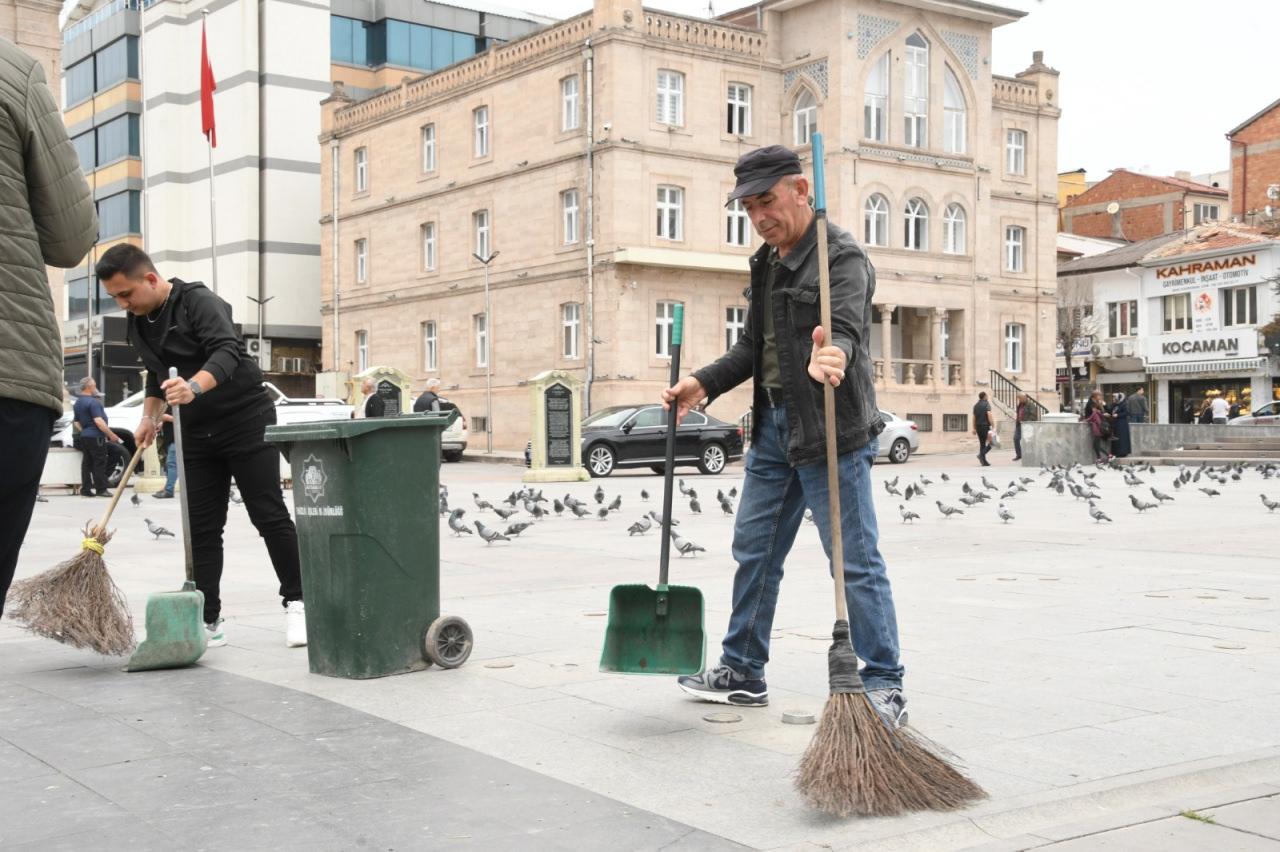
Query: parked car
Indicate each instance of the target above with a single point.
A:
(1268, 414)
(453, 442)
(899, 439)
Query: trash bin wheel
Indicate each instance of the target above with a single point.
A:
(447, 642)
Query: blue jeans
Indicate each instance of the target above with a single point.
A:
(171, 467)
(774, 498)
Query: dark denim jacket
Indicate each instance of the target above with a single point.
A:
(795, 313)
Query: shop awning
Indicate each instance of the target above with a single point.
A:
(1223, 365)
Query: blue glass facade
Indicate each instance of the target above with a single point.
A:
(392, 42)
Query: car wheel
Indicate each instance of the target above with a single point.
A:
(600, 460)
(453, 455)
(712, 460)
(900, 451)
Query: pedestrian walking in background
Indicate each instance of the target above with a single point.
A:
(94, 435)
(1219, 409)
(47, 218)
(781, 351)
(224, 417)
(1025, 412)
(1095, 414)
(1139, 406)
(1120, 443)
(984, 426)
(430, 398)
(374, 405)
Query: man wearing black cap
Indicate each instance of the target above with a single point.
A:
(781, 351)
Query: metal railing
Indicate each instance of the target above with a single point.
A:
(91, 20)
(1004, 393)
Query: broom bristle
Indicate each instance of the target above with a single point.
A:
(76, 603)
(856, 765)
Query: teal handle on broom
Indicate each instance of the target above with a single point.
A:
(819, 175)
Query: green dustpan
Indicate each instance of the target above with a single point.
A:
(175, 620)
(658, 631)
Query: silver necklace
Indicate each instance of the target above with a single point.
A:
(147, 316)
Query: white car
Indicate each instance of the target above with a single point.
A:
(453, 442)
(899, 439)
(1268, 414)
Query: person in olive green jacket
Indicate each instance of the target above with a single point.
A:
(46, 218)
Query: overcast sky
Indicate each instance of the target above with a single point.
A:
(1150, 85)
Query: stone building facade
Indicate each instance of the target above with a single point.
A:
(589, 163)
(1255, 168)
(1146, 206)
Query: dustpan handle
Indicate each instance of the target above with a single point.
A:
(669, 469)
(115, 498)
(182, 484)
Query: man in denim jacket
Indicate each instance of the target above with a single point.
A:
(781, 351)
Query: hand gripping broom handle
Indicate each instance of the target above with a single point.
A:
(182, 485)
(669, 469)
(115, 498)
(828, 392)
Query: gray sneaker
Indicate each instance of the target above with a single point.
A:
(891, 704)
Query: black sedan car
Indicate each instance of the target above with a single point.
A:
(636, 436)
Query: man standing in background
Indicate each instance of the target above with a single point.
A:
(94, 433)
(983, 425)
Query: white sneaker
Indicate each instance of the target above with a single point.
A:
(295, 624)
(214, 635)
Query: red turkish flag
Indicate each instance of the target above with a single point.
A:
(207, 85)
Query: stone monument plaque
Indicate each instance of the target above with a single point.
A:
(390, 394)
(555, 428)
(559, 416)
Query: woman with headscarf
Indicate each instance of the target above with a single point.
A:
(1095, 414)
(1121, 445)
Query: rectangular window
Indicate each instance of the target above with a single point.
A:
(362, 351)
(118, 139)
(916, 103)
(1240, 306)
(430, 347)
(569, 103)
(670, 106)
(120, 214)
(1015, 238)
(569, 209)
(429, 148)
(875, 101)
(1015, 152)
(923, 421)
(570, 324)
(955, 423)
(79, 81)
(670, 213)
(737, 224)
(116, 63)
(1013, 335)
(428, 246)
(1177, 312)
(735, 322)
(664, 321)
(480, 117)
(86, 145)
(944, 331)
(739, 109)
(362, 261)
(1205, 213)
(349, 40)
(480, 224)
(481, 324)
(1122, 318)
(362, 169)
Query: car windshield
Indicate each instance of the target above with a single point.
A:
(609, 416)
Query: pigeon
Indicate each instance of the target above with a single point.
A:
(695, 506)
(518, 527)
(1010, 494)
(894, 481)
(505, 514)
(888, 486)
(907, 515)
(989, 485)
(616, 503)
(719, 496)
(489, 536)
(1177, 483)
(726, 506)
(1160, 495)
(1141, 505)
(557, 505)
(966, 488)
(538, 512)
(580, 511)
(236, 498)
(970, 501)
(644, 495)
(134, 500)
(1004, 514)
(808, 516)
(599, 495)
(733, 492)
(640, 527)
(512, 498)
(1211, 492)
(458, 527)
(156, 530)
(444, 504)
(683, 489)
(924, 480)
(948, 511)
(481, 504)
(603, 513)
(685, 546)
(910, 492)
(657, 519)
(1097, 514)
(1271, 505)
(946, 478)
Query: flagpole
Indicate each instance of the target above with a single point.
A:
(213, 228)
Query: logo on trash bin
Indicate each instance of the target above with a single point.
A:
(313, 478)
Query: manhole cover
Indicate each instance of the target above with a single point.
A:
(722, 718)
(797, 717)
(499, 664)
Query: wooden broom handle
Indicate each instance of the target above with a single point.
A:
(115, 498)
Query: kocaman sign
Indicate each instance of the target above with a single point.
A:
(1215, 272)
(1203, 347)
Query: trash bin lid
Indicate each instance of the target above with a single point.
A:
(329, 430)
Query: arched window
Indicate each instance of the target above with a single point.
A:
(915, 106)
(916, 221)
(875, 218)
(953, 236)
(875, 101)
(806, 117)
(953, 113)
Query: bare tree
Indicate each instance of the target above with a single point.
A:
(1076, 325)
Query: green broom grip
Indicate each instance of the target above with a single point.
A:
(819, 174)
(677, 329)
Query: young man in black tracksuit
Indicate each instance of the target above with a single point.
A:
(225, 412)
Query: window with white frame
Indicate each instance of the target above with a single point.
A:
(915, 105)
(953, 229)
(429, 148)
(916, 225)
(480, 121)
(953, 113)
(362, 169)
(670, 105)
(362, 351)
(670, 213)
(1015, 152)
(480, 322)
(569, 103)
(569, 218)
(664, 321)
(1240, 306)
(875, 101)
(430, 347)
(944, 331)
(737, 224)
(362, 261)
(1204, 213)
(735, 322)
(1177, 312)
(570, 325)
(739, 109)
(428, 232)
(1015, 238)
(1013, 337)
(480, 225)
(1122, 318)
(805, 118)
(875, 221)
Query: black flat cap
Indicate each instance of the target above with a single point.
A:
(757, 171)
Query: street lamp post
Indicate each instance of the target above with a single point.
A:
(488, 351)
(262, 310)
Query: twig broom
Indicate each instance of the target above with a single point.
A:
(857, 764)
(76, 602)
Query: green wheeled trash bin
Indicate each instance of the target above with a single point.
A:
(366, 501)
